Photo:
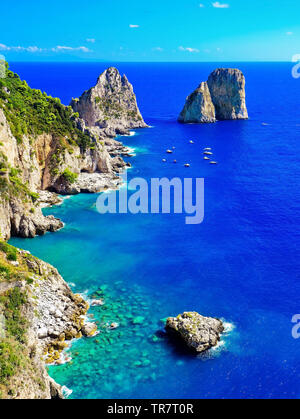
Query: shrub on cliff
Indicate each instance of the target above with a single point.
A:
(31, 112)
(70, 176)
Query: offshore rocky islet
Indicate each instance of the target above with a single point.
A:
(221, 98)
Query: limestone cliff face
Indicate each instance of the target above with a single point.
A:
(110, 106)
(198, 107)
(61, 163)
(53, 316)
(222, 97)
(227, 89)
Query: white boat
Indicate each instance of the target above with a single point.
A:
(208, 153)
(206, 158)
(213, 162)
(187, 165)
(169, 151)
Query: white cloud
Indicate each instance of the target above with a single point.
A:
(290, 33)
(189, 49)
(4, 47)
(219, 5)
(134, 26)
(201, 5)
(91, 40)
(20, 49)
(63, 48)
(158, 49)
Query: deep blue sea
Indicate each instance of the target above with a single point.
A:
(241, 264)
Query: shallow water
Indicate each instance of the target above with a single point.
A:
(241, 263)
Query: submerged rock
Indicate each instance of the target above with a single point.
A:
(198, 332)
(198, 107)
(227, 89)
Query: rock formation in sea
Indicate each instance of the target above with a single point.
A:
(110, 107)
(197, 332)
(46, 148)
(198, 107)
(223, 97)
(227, 89)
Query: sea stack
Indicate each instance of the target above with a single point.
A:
(197, 332)
(222, 97)
(198, 107)
(227, 89)
(110, 106)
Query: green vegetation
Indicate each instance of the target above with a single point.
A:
(14, 357)
(70, 176)
(31, 112)
(10, 359)
(10, 251)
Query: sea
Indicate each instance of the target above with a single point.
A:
(241, 264)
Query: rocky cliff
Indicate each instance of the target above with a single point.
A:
(227, 89)
(110, 107)
(223, 97)
(45, 145)
(39, 316)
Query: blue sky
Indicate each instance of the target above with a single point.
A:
(155, 30)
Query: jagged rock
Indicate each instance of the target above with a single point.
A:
(199, 333)
(110, 106)
(89, 329)
(198, 107)
(48, 199)
(227, 89)
(221, 97)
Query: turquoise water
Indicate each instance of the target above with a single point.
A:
(240, 264)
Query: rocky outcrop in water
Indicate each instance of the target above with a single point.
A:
(197, 332)
(110, 106)
(223, 97)
(198, 107)
(227, 89)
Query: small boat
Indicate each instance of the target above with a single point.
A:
(213, 162)
(175, 161)
(206, 158)
(169, 151)
(191, 142)
(164, 160)
(207, 149)
(187, 165)
(208, 153)
(173, 148)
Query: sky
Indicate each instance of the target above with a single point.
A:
(155, 30)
